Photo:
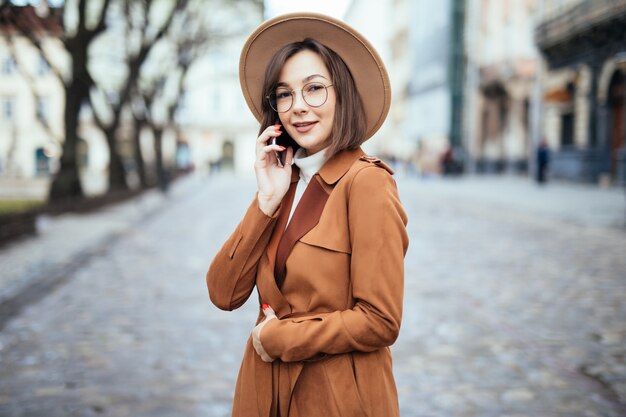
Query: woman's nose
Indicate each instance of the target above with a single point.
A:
(299, 104)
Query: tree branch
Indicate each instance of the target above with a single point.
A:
(101, 25)
(180, 4)
(25, 25)
(82, 16)
(99, 121)
(137, 61)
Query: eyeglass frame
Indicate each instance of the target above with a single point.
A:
(292, 92)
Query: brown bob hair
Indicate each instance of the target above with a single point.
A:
(349, 123)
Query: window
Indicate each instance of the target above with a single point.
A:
(567, 130)
(42, 108)
(8, 108)
(42, 162)
(8, 66)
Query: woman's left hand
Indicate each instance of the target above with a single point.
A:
(256, 333)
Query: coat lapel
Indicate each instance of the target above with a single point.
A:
(279, 229)
(306, 217)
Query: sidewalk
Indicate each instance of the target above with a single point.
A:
(510, 309)
(578, 204)
(23, 188)
(32, 266)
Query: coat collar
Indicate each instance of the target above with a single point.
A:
(339, 164)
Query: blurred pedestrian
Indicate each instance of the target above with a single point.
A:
(447, 161)
(543, 161)
(450, 164)
(164, 178)
(324, 241)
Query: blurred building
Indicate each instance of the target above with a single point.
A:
(398, 63)
(31, 96)
(420, 42)
(434, 90)
(501, 69)
(584, 117)
(217, 124)
(365, 16)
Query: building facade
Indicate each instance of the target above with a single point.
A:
(584, 46)
(429, 92)
(500, 78)
(31, 101)
(424, 56)
(365, 16)
(216, 121)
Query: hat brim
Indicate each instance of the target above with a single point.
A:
(366, 66)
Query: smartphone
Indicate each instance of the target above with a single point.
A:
(278, 159)
(286, 141)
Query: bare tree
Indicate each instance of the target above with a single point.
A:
(77, 82)
(187, 41)
(158, 94)
(109, 119)
(108, 104)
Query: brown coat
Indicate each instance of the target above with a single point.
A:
(337, 293)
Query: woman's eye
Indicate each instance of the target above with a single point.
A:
(282, 94)
(314, 87)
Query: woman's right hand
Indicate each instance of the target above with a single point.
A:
(272, 180)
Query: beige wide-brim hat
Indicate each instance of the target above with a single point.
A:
(366, 66)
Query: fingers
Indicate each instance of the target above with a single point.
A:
(275, 148)
(270, 132)
(289, 156)
(256, 334)
(256, 343)
(263, 147)
(269, 155)
(268, 311)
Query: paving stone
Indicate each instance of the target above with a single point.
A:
(514, 306)
(517, 395)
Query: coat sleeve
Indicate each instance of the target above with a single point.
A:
(379, 241)
(232, 274)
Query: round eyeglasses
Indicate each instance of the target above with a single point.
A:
(313, 94)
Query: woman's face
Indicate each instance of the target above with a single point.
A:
(309, 126)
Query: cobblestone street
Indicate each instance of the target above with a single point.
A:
(515, 306)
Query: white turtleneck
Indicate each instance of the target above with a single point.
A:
(309, 165)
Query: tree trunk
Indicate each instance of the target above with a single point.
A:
(139, 162)
(117, 173)
(162, 174)
(66, 183)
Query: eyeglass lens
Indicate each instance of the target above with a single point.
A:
(314, 94)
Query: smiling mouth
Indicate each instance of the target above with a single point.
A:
(303, 127)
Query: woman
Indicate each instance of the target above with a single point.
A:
(324, 241)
